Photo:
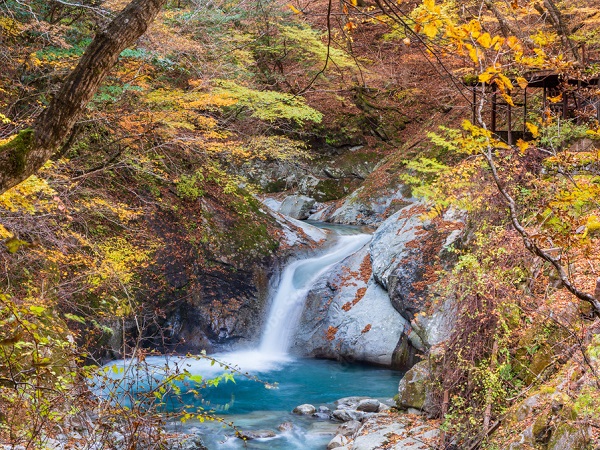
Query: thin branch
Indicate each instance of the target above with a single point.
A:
(529, 241)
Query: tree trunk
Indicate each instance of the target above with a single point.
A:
(505, 26)
(31, 148)
(556, 19)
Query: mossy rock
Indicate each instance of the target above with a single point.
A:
(276, 186)
(18, 149)
(414, 390)
(568, 437)
(331, 189)
(541, 427)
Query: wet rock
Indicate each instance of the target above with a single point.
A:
(297, 206)
(368, 405)
(305, 409)
(324, 409)
(286, 426)
(191, 443)
(349, 402)
(356, 210)
(349, 428)
(321, 416)
(337, 442)
(256, 434)
(346, 415)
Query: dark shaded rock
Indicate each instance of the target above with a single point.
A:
(368, 405)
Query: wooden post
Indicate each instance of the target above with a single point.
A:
(474, 103)
(598, 103)
(509, 120)
(524, 112)
(544, 98)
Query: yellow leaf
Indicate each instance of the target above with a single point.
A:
(474, 27)
(556, 99)
(506, 81)
(485, 77)
(508, 99)
(472, 53)
(294, 9)
(533, 129)
(522, 145)
(4, 233)
(513, 43)
(497, 42)
(485, 40)
(522, 82)
(430, 30)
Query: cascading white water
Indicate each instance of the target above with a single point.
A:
(316, 382)
(296, 280)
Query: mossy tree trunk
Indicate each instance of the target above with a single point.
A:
(31, 148)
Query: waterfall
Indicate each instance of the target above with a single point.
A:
(296, 280)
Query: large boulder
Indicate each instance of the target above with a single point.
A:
(407, 253)
(358, 210)
(297, 206)
(414, 389)
(348, 316)
(434, 328)
(390, 249)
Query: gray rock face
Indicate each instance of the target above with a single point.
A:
(297, 206)
(389, 247)
(349, 402)
(347, 315)
(378, 433)
(356, 211)
(304, 410)
(435, 328)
